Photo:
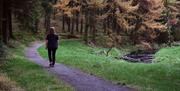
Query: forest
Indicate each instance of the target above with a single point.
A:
(104, 45)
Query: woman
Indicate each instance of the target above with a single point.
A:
(52, 45)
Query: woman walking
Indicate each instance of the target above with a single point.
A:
(52, 46)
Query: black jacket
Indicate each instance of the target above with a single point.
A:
(52, 41)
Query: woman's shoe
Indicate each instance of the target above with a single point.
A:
(50, 65)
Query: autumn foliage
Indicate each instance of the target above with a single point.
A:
(141, 20)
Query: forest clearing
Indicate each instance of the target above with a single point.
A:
(100, 45)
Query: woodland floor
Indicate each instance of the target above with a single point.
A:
(79, 80)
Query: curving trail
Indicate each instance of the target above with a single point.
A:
(79, 80)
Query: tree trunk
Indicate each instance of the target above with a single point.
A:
(108, 22)
(63, 23)
(105, 25)
(36, 25)
(5, 23)
(86, 33)
(77, 22)
(101, 12)
(10, 23)
(69, 24)
(118, 30)
(1, 17)
(94, 34)
(72, 25)
(47, 21)
(114, 27)
(82, 25)
(44, 21)
(54, 13)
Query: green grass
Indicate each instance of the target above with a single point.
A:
(30, 76)
(159, 76)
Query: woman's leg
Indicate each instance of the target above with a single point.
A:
(50, 54)
(54, 55)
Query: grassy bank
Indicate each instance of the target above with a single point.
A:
(161, 76)
(29, 76)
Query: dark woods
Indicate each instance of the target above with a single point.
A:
(139, 20)
(27, 12)
(5, 20)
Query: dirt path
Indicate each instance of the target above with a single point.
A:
(79, 80)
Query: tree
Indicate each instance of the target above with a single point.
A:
(135, 18)
(140, 19)
(6, 21)
(1, 17)
(23, 10)
(48, 9)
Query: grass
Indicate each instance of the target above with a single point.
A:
(28, 75)
(7, 85)
(162, 75)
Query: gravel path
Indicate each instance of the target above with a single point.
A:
(79, 80)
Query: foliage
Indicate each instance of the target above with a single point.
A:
(46, 4)
(137, 18)
(176, 33)
(143, 13)
(28, 13)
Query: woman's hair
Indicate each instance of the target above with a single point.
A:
(52, 30)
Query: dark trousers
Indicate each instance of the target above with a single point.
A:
(52, 55)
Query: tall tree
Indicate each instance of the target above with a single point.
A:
(48, 8)
(10, 20)
(1, 17)
(5, 31)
